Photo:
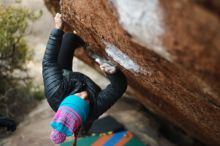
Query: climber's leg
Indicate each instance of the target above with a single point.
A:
(66, 53)
(69, 43)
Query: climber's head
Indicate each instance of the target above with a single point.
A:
(72, 112)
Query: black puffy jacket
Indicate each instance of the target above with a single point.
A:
(59, 83)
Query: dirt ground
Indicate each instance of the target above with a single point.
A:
(35, 129)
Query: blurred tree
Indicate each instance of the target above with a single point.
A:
(16, 90)
(13, 51)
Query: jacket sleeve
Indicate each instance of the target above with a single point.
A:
(52, 73)
(108, 96)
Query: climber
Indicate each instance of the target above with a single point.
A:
(75, 98)
(7, 122)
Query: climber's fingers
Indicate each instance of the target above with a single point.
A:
(108, 68)
(58, 21)
(111, 70)
(104, 65)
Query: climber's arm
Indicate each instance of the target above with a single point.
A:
(52, 73)
(108, 96)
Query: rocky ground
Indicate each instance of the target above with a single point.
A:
(35, 129)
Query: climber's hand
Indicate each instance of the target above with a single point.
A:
(58, 21)
(108, 68)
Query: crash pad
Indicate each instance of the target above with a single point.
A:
(124, 138)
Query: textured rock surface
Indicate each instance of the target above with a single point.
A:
(211, 5)
(169, 51)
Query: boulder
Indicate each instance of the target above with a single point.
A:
(169, 51)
